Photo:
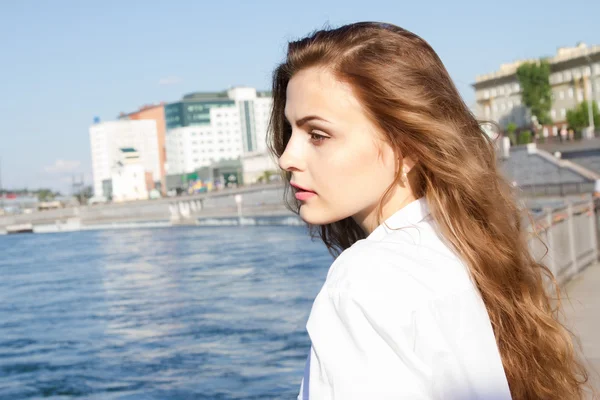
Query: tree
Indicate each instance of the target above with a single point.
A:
(578, 117)
(265, 177)
(511, 129)
(45, 195)
(84, 194)
(525, 137)
(536, 92)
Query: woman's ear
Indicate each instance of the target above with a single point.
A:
(405, 164)
(408, 163)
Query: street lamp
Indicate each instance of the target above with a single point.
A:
(591, 127)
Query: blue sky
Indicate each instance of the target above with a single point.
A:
(64, 62)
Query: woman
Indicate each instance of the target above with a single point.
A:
(435, 294)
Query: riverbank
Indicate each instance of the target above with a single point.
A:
(257, 205)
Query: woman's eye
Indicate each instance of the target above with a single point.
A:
(317, 138)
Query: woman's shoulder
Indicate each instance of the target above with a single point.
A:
(412, 269)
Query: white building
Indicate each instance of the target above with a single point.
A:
(195, 146)
(129, 177)
(204, 128)
(106, 140)
(254, 111)
(256, 164)
(574, 77)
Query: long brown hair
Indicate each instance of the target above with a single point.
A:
(407, 92)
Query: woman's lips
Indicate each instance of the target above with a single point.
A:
(302, 194)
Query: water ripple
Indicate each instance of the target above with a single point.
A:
(163, 313)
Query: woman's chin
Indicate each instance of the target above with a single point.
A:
(316, 216)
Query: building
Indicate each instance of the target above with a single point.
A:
(128, 177)
(155, 113)
(254, 111)
(575, 77)
(219, 175)
(108, 138)
(259, 166)
(207, 127)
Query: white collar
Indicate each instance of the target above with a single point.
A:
(407, 216)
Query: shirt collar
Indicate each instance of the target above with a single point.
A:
(407, 216)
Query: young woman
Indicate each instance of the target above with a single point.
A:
(435, 294)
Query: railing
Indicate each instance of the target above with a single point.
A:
(558, 139)
(557, 189)
(571, 236)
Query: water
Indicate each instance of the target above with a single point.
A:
(163, 313)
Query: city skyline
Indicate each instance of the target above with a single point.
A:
(65, 64)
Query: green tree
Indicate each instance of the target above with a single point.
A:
(266, 176)
(45, 195)
(578, 117)
(525, 137)
(536, 92)
(511, 129)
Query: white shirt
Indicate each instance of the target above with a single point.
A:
(399, 318)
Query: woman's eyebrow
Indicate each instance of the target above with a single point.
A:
(306, 119)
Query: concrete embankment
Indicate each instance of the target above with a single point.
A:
(261, 205)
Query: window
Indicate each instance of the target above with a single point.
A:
(486, 94)
(510, 105)
(495, 108)
(567, 75)
(579, 94)
(516, 87)
(501, 90)
(561, 94)
(493, 92)
(570, 93)
(563, 112)
(502, 107)
(193, 133)
(553, 114)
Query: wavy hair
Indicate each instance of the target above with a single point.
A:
(405, 89)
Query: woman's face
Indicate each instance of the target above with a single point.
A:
(335, 152)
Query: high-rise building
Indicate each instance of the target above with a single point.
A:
(155, 112)
(207, 127)
(574, 77)
(254, 111)
(108, 138)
